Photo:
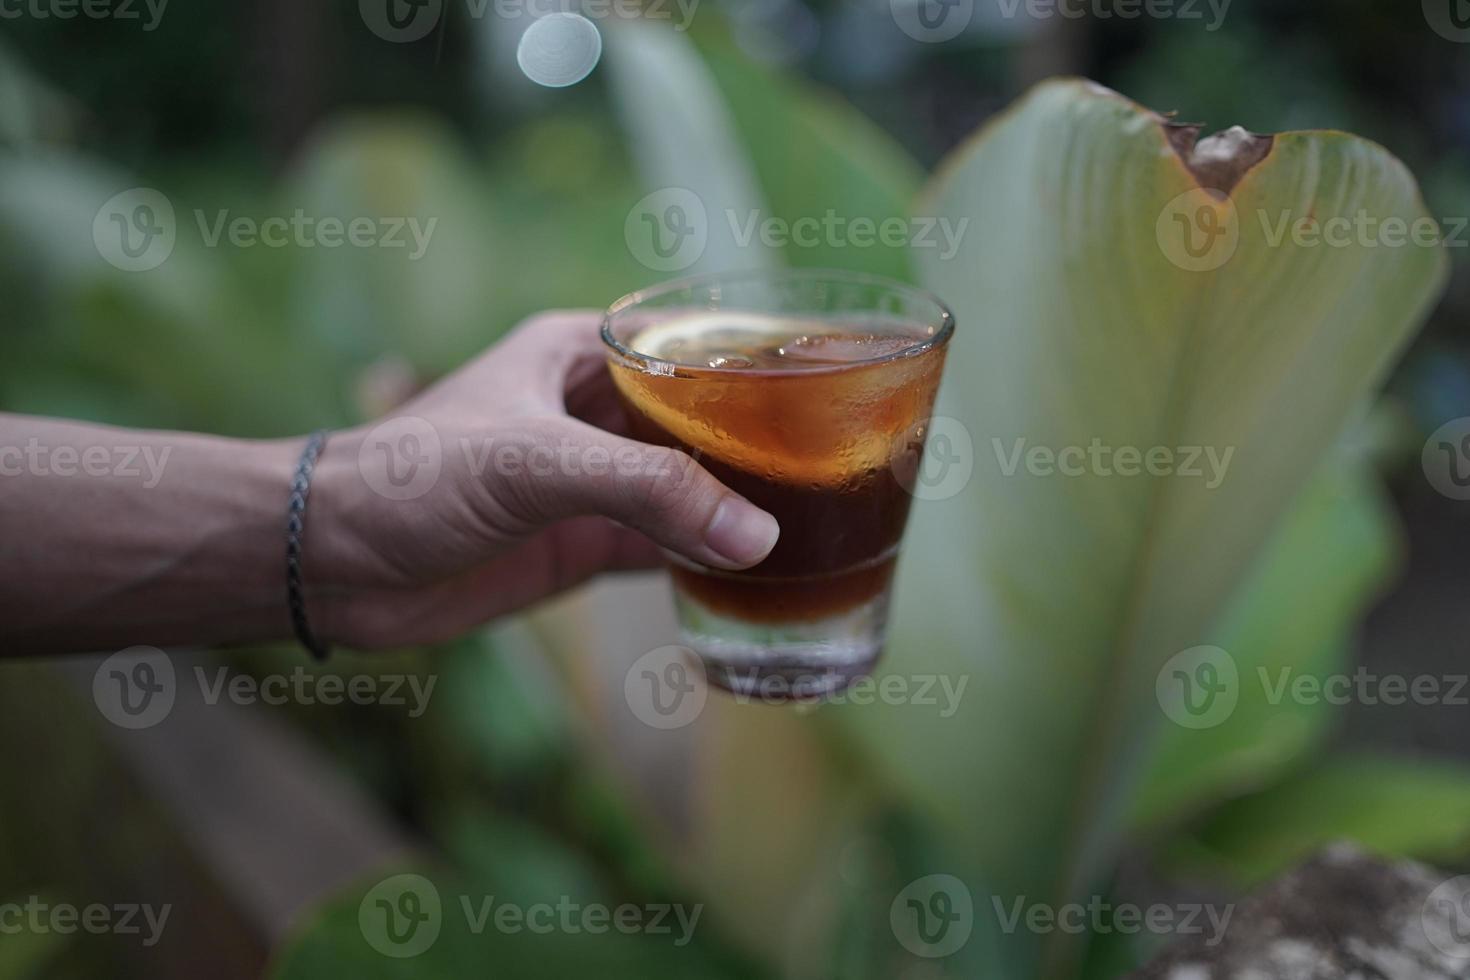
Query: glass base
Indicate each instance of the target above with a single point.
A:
(782, 662)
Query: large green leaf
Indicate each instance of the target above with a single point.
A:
(770, 806)
(460, 933)
(29, 108)
(126, 332)
(782, 172)
(25, 954)
(1293, 617)
(819, 159)
(1398, 807)
(429, 291)
(1082, 318)
(688, 155)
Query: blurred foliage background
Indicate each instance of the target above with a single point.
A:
(520, 781)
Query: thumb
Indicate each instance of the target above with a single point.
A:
(574, 468)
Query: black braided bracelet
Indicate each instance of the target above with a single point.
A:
(295, 527)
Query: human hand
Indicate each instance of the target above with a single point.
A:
(507, 482)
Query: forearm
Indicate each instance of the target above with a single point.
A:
(114, 537)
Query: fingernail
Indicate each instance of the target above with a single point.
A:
(741, 533)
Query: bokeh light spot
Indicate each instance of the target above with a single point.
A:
(559, 50)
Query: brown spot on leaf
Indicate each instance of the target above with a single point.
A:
(1217, 162)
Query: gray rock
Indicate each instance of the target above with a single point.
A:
(1341, 916)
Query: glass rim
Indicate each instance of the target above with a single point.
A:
(939, 338)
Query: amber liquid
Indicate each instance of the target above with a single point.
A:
(820, 423)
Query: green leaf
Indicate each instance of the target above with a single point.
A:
(30, 109)
(1397, 807)
(1293, 617)
(472, 940)
(817, 156)
(517, 856)
(1081, 318)
(500, 709)
(127, 332)
(762, 153)
(25, 954)
(687, 152)
(773, 805)
(428, 290)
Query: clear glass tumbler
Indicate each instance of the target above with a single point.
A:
(809, 393)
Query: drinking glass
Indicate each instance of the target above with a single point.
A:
(809, 393)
